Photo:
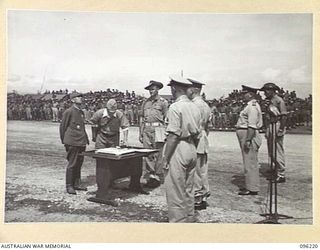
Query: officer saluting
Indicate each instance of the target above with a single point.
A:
(74, 137)
(179, 153)
(152, 132)
(277, 113)
(247, 130)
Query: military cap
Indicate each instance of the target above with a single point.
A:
(178, 80)
(270, 86)
(112, 105)
(247, 89)
(195, 83)
(154, 83)
(74, 95)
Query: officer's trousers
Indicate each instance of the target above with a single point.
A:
(55, 114)
(201, 183)
(281, 164)
(250, 161)
(179, 181)
(149, 141)
(75, 161)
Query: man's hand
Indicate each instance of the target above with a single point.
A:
(141, 138)
(266, 135)
(164, 163)
(247, 146)
(281, 132)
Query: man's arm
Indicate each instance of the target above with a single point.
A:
(141, 122)
(283, 118)
(64, 124)
(124, 123)
(170, 146)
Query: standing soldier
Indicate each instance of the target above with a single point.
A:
(180, 154)
(247, 129)
(277, 113)
(201, 183)
(152, 131)
(55, 112)
(74, 137)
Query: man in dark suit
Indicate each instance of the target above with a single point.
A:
(74, 137)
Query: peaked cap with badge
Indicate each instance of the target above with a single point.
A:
(246, 89)
(178, 80)
(196, 83)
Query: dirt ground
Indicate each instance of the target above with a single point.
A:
(35, 182)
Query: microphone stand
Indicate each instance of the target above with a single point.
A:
(273, 217)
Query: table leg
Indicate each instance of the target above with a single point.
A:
(103, 178)
(136, 173)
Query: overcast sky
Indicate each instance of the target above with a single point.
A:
(93, 51)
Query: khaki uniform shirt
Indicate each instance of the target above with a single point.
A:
(105, 121)
(203, 145)
(155, 110)
(250, 116)
(278, 103)
(184, 118)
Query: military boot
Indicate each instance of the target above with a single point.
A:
(70, 190)
(79, 186)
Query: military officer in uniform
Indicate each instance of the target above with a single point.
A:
(109, 120)
(74, 137)
(152, 131)
(247, 130)
(179, 156)
(277, 113)
(201, 183)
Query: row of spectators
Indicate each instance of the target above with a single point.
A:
(224, 111)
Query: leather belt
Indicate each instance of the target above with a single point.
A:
(246, 128)
(152, 124)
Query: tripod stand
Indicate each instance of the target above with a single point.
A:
(273, 216)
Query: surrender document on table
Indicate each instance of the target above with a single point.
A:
(122, 151)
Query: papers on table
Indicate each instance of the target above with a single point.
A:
(123, 151)
(115, 151)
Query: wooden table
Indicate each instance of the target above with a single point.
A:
(110, 167)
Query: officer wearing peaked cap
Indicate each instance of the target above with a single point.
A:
(247, 130)
(74, 137)
(180, 155)
(152, 131)
(277, 114)
(201, 183)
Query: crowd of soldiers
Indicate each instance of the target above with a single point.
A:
(224, 111)
(51, 105)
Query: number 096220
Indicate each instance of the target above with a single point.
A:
(308, 246)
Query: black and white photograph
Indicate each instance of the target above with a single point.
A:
(159, 117)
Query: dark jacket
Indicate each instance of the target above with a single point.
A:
(72, 128)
